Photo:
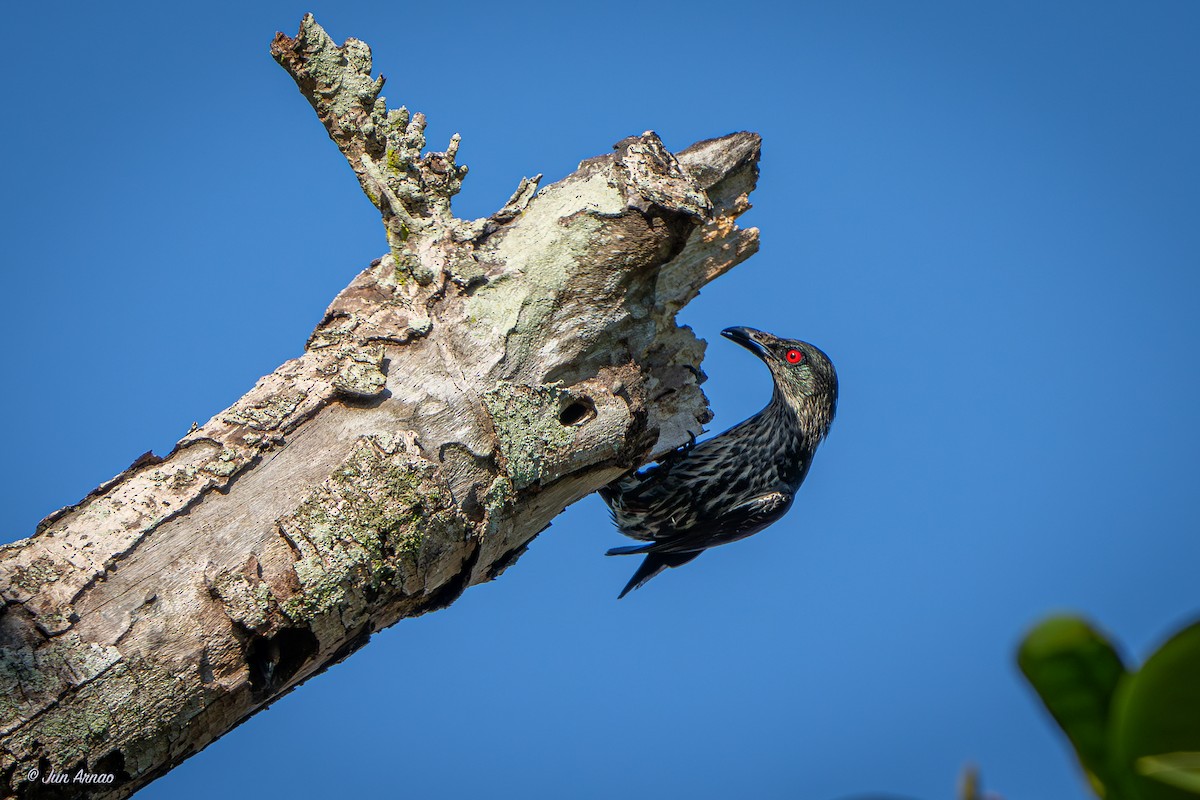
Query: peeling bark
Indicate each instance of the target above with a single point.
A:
(458, 394)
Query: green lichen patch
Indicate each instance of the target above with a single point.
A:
(182, 477)
(384, 148)
(267, 414)
(30, 677)
(361, 375)
(528, 429)
(420, 325)
(499, 496)
(463, 267)
(119, 707)
(32, 577)
(349, 70)
(249, 604)
(408, 265)
(227, 463)
(362, 529)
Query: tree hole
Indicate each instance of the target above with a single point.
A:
(273, 660)
(577, 412)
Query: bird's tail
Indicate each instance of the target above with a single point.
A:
(653, 564)
(631, 550)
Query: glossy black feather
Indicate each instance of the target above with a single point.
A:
(652, 565)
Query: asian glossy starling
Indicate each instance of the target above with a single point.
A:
(733, 485)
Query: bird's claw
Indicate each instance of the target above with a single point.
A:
(671, 458)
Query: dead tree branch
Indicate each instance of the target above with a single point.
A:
(457, 395)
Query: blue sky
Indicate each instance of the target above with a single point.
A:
(985, 213)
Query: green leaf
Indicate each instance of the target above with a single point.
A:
(1075, 671)
(1156, 721)
(1176, 769)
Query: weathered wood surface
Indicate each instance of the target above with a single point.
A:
(458, 394)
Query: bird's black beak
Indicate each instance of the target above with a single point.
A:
(747, 338)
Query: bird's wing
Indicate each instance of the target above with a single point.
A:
(736, 522)
(657, 486)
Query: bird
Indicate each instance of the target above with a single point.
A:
(736, 483)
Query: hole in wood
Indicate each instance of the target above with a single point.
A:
(577, 412)
(273, 660)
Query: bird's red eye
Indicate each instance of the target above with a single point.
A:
(794, 356)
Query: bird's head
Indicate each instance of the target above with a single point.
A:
(804, 376)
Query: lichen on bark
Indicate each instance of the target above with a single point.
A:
(459, 393)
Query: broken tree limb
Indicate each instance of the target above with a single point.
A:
(457, 395)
